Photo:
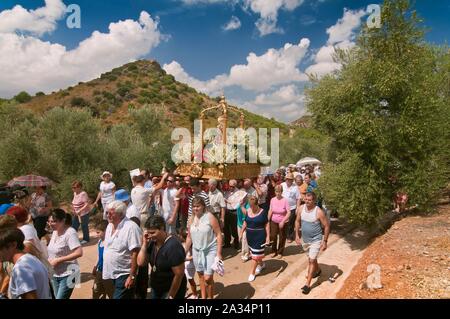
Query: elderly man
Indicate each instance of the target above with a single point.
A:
(230, 223)
(292, 194)
(217, 201)
(122, 244)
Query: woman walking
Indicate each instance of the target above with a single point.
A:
(106, 193)
(166, 256)
(206, 239)
(81, 208)
(279, 214)
(258, 235)
(63, 250)
(41, 205)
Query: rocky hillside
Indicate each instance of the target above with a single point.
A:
(134, 85)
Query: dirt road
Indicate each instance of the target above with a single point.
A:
(282, 278)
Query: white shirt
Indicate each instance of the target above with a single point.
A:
(292, 194)
(168, 202)
(216, 200)
(29, 274)
(107, 192)
(118, 247)
(31, 235)
(61, 246)
(140, 198)
(132, 212)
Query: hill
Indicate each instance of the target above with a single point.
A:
(304, 122)
(136, 84)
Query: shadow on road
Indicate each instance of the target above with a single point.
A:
(85, 277)
(238, 291)
(274, 265)
(328, 271)
(228, 253)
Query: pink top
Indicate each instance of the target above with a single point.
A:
(279, 208)
(79, 200)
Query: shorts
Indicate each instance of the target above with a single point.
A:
(203, 260)
(189, 269)
(312, 249)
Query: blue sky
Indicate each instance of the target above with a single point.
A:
(250, 63)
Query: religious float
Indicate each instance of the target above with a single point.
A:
(216, 160)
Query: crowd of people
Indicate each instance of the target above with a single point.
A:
(166, 234)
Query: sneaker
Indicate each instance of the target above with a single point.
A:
(245, 258)
(193, 297)
(306, 289)
(251, 277)
(84, 242)
(260, 268)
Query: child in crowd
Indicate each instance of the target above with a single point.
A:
(102, 288)
(189, 268)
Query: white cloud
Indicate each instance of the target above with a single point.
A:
(340, 35)
(275, 67)
(29, 64)
(268, 11)
(36, 22)
(344, 29)
(285, 104)
(233, 24)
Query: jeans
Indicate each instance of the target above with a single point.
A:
(84, 225)
(120, 292)
(60, 287)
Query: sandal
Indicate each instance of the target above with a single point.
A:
(306, 289)
(317, 274)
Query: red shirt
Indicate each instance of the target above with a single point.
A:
(184, 202)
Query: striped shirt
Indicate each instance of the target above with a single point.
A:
(205, 198)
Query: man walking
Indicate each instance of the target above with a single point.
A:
(122, 245)
(217, 201)
(292, 194)
(314, 240)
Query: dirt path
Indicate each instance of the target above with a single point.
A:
(414, 260)
(282, 278)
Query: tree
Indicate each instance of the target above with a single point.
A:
(23, 97)
(384, 112)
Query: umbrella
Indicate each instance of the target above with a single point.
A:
(30, 181)
(308, 160)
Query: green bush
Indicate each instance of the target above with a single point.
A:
(23, 97)
(78, 102)
(40, 93)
